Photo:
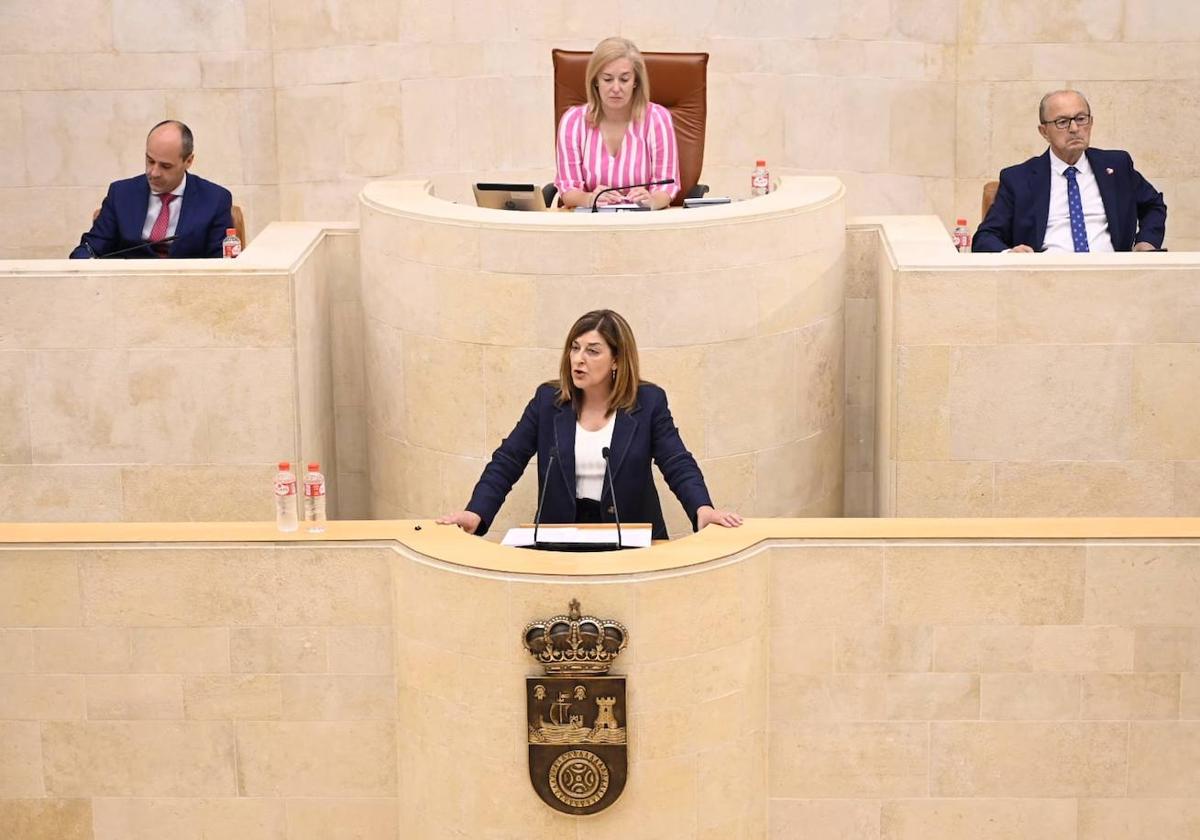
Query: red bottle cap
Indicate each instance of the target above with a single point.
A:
(962, 222)
(231, 231)
(285, 465)
(314, 466)
(760, 163)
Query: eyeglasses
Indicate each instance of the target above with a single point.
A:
(1080, 120)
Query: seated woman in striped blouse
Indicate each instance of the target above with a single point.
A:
(619, 137)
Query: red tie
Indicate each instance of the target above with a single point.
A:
(159, 231)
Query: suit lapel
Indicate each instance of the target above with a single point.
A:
(132, 215)
(1108, 196)
(184, 210)
(564, 443)
(623, 430)
(1039, 175)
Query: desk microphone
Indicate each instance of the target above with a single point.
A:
(606, 452)
(124, 251)
(661, 183)
(537, 519)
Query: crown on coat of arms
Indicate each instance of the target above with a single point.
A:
(575, 643)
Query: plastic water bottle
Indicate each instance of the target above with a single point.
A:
(231, 246)
(285, 498)
(314, 499)
(760, 179)
(962, 236)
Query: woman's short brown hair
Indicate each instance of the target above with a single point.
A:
(617, 333)
(606, 52)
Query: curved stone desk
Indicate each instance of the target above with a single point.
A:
(911, 678)
(737, 311)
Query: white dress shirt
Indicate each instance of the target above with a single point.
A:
(1058, 223)
(155, 204)
(589, 459)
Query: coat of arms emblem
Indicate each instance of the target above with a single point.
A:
(576, 712)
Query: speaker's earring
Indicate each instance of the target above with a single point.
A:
(614, 374)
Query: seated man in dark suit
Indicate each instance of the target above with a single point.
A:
(165, 202)
(1072, 198)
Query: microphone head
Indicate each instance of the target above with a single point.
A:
(664, 182)
(604, 452)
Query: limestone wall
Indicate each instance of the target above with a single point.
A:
(913, 103)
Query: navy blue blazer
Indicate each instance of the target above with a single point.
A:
(1136, 211)
(204, 216)
(646, 433)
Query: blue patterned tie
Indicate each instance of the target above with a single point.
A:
(1075, 207)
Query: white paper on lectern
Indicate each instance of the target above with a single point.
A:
(630, 537)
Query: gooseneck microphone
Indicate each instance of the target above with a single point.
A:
(537, 519)
(661, 183)
(606, 452)
(138, 247)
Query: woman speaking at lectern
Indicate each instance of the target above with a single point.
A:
(598, 403)
(619, 137)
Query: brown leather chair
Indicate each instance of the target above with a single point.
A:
(678, 81)
(989, 196)
(239, 222)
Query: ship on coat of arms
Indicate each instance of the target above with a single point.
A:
(576, 712)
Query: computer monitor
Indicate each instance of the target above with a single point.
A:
(509, 196)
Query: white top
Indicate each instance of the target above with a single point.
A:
(589, 460)
(1058, 223)
(155, 204)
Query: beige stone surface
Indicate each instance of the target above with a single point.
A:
(360, 650)
(1189, 703)
(173, 588)
(284, 650)
(233, 697)
(985, 585)
(933, 696)
(945, 488)
(849, 760)
(341, 759)
(94, 650)
(1068, 648)
(1030, 697)
(824, 819)
(983, 648)
(41, 697)
(1163, 758)
(1130, 696)
(188, 819)
(1084, 488)
(826, 586)
(39, 588)
(1138, 819)
(1167, 649)
(1027, 759)
(984, 819)
(46, 819)
(819, 699)
(20, 760)
(134, 697)
(365, 819)
(16, 650)
(179, 650)
(1143, 585)
(138, 758)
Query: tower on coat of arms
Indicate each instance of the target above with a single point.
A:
(576, 712)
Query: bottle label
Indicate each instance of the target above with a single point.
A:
(760, 183)
(285, 488)
(315, 488)
(231, 248)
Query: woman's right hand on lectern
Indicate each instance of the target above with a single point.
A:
(462, 518)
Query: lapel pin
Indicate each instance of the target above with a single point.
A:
(1108, 170)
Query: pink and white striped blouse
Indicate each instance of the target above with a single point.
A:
(648, 153)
